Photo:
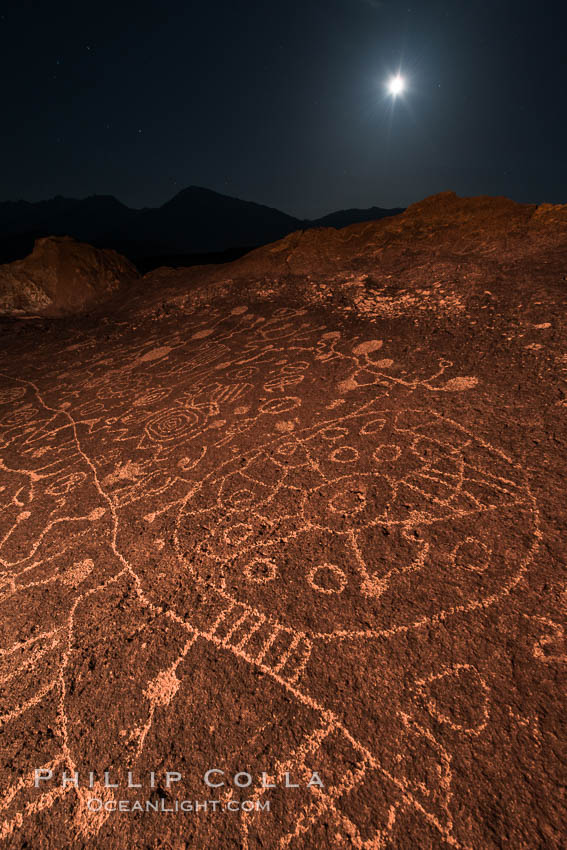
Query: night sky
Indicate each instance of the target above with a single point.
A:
(284, 103)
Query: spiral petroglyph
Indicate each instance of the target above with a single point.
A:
(171, 425)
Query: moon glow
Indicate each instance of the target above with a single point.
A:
(396, 85)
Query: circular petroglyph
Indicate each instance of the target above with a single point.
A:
(285, 426)
(461, 383)
(261, 570)
(243, 372)
(344, 454)
(472, 554)
(154, 354)
(327, 578)
(171, 425)
(151, 396)
(347, 385)
(386, 453)
(280, 405)
(66, 483)
(431, 521)
(372, 427)
(240, 498)
(350, 498)
(90, 408)
(11, 394)
(162, 689)
(238, 533)
(77, 573)
(457, 696)
(19, 416)
(368, 347)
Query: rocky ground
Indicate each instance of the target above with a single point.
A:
(300, 514)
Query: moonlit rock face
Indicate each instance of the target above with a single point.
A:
(62, 275)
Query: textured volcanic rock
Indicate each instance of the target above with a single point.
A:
(434, 257)
(275, 535)
(61, 276)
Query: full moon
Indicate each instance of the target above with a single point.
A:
(396, 85)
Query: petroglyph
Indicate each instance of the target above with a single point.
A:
(260, 509)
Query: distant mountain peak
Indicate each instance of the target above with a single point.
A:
(199, 194)
(195, 220)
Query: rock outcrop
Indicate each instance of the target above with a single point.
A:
(62, 276)
(436, 257)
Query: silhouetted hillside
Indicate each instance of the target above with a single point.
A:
(196, 221)
(344, 218)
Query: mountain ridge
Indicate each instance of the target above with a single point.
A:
(196, 220)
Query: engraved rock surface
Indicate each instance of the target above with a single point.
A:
(268, 534)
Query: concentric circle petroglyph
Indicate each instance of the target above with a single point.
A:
(19, 416)
(151, 396)
(11, 394)
(171, 425)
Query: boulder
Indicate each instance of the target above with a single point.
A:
(62, 276)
